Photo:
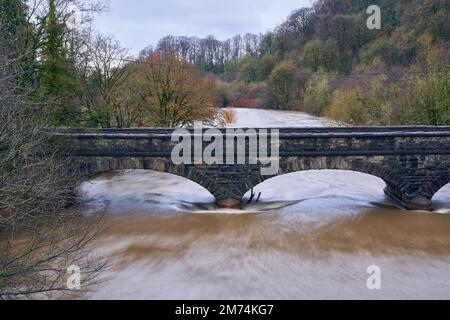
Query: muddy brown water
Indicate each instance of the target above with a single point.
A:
(312, 236)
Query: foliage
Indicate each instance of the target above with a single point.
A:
(347, 107)
(111, 96)
(174, 92)
(317, 96)
(312, 54)
(229, 116)
(39, 236)
(280, 82)
(324, 57)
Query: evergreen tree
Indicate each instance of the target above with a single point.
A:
(13, 18)
(17, 36)
(57, 73)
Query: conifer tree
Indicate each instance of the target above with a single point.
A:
(57, 74)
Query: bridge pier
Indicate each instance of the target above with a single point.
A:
(228, 203)
(419, 202)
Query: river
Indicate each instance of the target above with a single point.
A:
(313, 236)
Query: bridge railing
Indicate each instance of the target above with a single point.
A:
(282, 129)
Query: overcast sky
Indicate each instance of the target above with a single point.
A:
(139, 23)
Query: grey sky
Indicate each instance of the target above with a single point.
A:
(139, 23)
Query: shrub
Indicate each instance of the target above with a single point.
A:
(317, 96)
(347, 107)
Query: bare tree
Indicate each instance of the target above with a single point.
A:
(40, 237)
(111, 95)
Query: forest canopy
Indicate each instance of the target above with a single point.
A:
(322, 59)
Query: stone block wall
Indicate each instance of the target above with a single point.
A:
(413, 161)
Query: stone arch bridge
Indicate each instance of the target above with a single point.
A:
(413, 161)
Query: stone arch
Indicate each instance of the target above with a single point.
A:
(406, 182)
(90, 166)
(412, 186)
(374, 166)
(357, 164)
(329, 171)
